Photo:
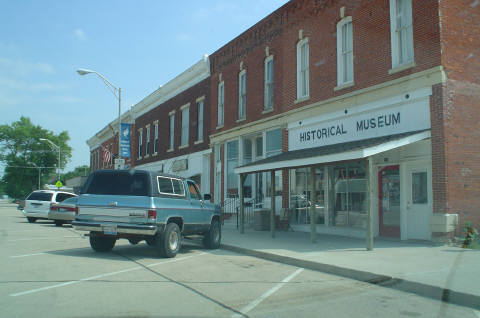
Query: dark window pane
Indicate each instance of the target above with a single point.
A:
(165, 185)
(178, 187)
(40, 196)
(119, 183)
(419, 188)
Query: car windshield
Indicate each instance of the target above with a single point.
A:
(40, 196)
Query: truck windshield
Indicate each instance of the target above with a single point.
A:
(119, 183)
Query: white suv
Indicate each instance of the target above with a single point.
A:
(38, 203)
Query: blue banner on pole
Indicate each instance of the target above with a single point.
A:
(125, 141)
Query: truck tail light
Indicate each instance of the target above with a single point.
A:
(152, 214)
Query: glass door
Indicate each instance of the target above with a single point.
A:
(389, 201)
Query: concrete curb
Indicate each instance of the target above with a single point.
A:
(425, 290)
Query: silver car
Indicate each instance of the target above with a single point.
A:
(63, 212)
(38, 203)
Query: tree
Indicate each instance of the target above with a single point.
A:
(20, 146)
(77, 172)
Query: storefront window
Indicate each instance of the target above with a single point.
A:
(300, 195)
(247, 158)
(419, 188)
(349, 195)
(274, 147)
(232, 162)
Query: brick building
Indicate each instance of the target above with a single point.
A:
(380, 97)
(173, 125)
(107, 140)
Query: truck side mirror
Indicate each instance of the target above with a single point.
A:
(207, 197)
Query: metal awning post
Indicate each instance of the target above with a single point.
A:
(242, 210)
(272, 204)
(368, 204)
(313, 200)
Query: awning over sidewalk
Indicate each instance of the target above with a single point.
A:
(339, 152)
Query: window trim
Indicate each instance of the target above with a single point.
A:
(221, 104)
(140, 143)
(147, 141)
(396, 64)
(185, 109)
(155, 139)
(340, 63)
(300, 96)
(172, 194)
(266, 107)
(242, 97)
(171, 140)
(200, 101)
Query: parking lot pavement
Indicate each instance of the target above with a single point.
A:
(49, 271)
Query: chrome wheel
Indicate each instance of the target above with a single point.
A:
(173, 240)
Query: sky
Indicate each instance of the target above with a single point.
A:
(137, 45)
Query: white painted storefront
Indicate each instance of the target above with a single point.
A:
(399, 173)
(194, 166)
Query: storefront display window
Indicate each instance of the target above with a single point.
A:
(349, 186)
(232, 162)
(274, 147)
(300, 195)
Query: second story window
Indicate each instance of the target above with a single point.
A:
(200, 120)
(140, 143)
(401, 32)
(185, 124)
(147, 142)
(155, 141)
(242, 94)
(172, 131)
(268, 102)
(303, 85)
(221, 100)
(344, 51)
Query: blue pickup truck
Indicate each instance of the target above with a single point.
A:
(143, 205)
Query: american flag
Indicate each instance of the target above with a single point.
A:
(106, 156)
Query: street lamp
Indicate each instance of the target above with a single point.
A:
(116, 91)
(39, 173)
(58, 149)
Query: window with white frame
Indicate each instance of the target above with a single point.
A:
(221, 100)
(242, 94)
(401, 32)
(155, 141)
(344, 51)
(200, 120)
(268, 102)
(172, 131)
(303, 85)
(185, 124)
(140, 143)
(147, 142)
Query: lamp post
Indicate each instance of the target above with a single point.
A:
(58, 149)
(39, 172)
(117, 92)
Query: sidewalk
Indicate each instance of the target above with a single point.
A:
(441, 272)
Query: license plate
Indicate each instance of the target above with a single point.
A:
(110, 229)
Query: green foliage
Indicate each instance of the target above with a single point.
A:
(472, 239)
(20, 146)
(77, 172)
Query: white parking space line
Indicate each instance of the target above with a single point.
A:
(43, 238)
(477, 313)
(31, 291)
(26, 255)
(267, 294)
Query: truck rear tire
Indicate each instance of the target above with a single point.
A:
(168, 243)
(102, 243)
(31, 220)
(212, 237)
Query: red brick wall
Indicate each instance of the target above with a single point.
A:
(317, 19)
(160, 113)
(458, 126)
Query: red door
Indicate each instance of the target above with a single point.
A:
(389, 201)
